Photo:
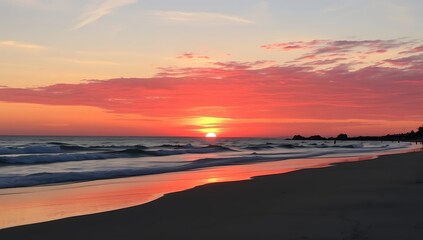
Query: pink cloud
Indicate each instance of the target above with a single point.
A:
(378, 51)
(243, 65)
(406, 61)
(243, 90)
(369, 46)
(192, 56)
(326, 61)
(299, 45)
(418, 49)
(342, 48)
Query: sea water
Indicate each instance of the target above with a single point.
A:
(31, 161)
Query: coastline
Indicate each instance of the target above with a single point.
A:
(377, 199)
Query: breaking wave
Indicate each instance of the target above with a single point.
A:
(50, 162)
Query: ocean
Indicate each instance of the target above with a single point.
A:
(33, 161)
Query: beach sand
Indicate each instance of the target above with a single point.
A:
(375, 199)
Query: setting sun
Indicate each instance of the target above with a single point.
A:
(211, 135)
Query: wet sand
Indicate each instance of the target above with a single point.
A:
(375, 199)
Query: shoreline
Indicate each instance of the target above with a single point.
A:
(53, 202)
(37, 204)
(278, 205)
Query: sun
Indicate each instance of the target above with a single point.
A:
(211, 135)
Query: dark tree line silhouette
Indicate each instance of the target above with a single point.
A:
(409, 136)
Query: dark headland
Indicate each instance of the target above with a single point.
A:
(412, 136)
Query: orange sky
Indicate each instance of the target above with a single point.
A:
(323, 92)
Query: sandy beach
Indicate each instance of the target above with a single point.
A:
(375, 199)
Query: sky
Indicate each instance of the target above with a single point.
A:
(239, 68)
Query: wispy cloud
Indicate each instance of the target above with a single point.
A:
(199, 16)
(20, 45)
(338, 47)
(99, 11)
(413, 50)
(406, 61)
(288, 46)
(192, 56)
(327, 52)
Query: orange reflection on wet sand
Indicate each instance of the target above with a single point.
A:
(20, 206)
